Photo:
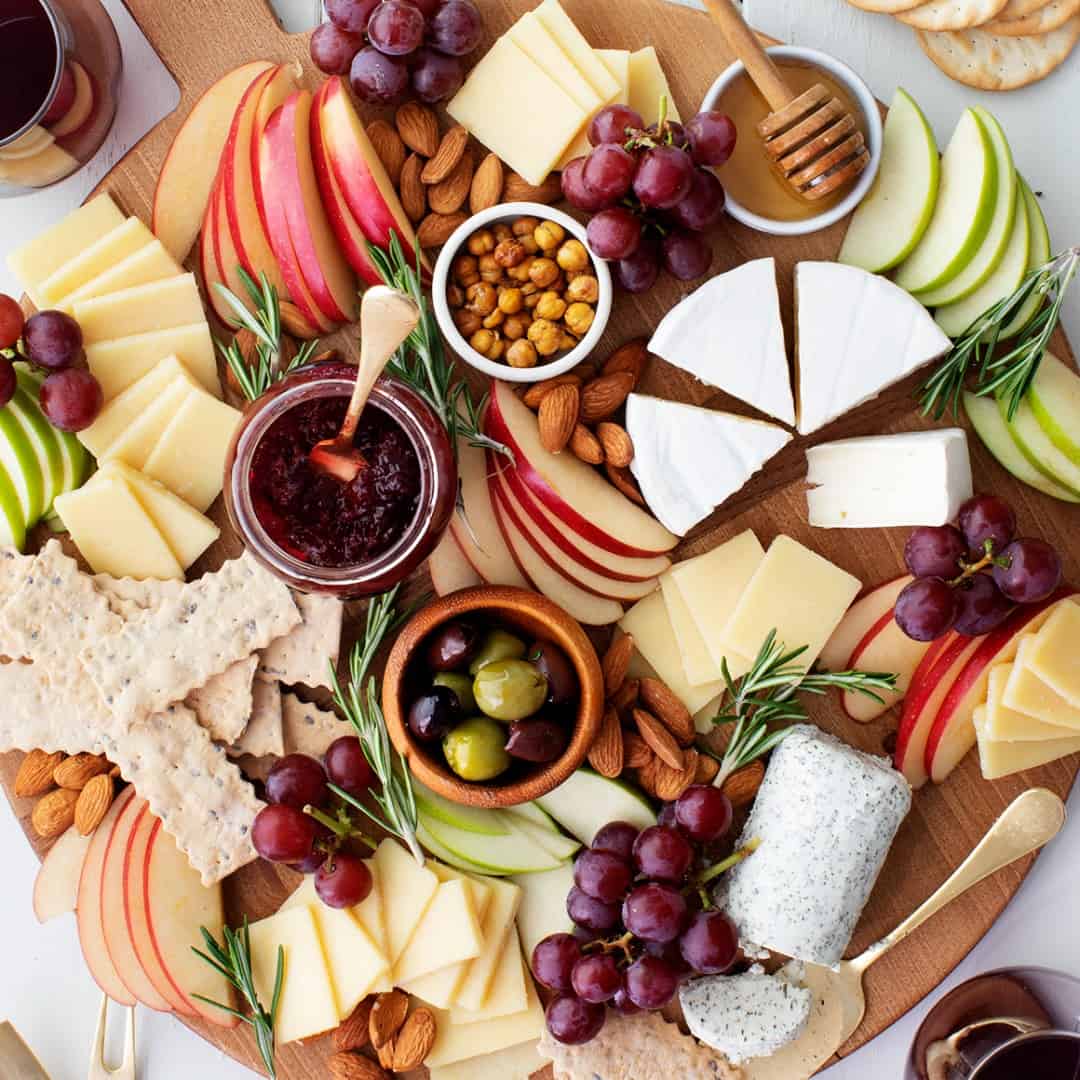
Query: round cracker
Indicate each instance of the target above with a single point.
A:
(952, 14)
(1056, 13)
(886, 7)
(988, 62)
(1019, 9)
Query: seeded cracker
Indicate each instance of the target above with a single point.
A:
(263, 734)
(129, 598)
(303, 657)
(224, 705)
(309, 729)
(162, 655)
(31, 719)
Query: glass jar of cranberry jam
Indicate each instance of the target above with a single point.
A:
(322, 535)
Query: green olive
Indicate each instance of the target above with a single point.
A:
(497, 645)
(510, 689)
(476, 749)
(460, 685)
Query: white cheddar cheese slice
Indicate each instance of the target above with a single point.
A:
(448, 934)
(1054, 658)
(148, 264)
(189, 458)
(369, 914)
(118, 363)
(137, 441)
(698, 663)
(503, 909)
(514, 1063)
(407, 891)
(508, 993)
(1004, 724)
(617, 61)
(573, 43)
(728, 333)
(1027, 693)
(648, 84)
(543, 905)
(999, 759)
(797, 593)
(157, 306)
(535, 120)
(536, 41)
(115, 534)
(307, 1005)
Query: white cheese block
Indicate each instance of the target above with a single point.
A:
(514, 1063)
(1005, 724)
(885, 481)
(1027, 693)
(857, 335)
(689, 460)
(998, 759)
(728, 334)
(826, 816)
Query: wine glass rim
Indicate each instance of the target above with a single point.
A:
(47, 7)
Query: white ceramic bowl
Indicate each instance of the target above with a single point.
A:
(867, 103)
(509, 212)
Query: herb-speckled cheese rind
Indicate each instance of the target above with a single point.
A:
(826, 816)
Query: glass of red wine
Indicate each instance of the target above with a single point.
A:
(61, 61)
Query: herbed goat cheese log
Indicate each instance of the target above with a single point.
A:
(826, 816)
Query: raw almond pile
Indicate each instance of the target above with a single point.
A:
(76, 790)
(400, 1039)
(436, 176)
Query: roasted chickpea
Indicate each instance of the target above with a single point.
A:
(495, 319)
(481, 243)
(482, 298)
(497, 349)
(522, 354)
(511, 301)
(529, 289)
(490, 270)
(455, 296)
(516, 326)
(510, 253)
(528, 242)
(568, 342)
(546, 336)
(468, 279)
(532, 300)
(572, 255)
(579, 318)
(584, 289)
(549, 235)
(467, 322)
(543, 272)
(462, 267)
(502, 232)
(482, 341)
(525, 226)
(552, 306)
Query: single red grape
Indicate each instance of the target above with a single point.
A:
(603, 876)
(597, 978)
(987, 518)
(283, 834)
(935, 551)
(71, 400)
(436, 76)
(12, 322)
(297, 780)
(710, 944)
(572, 1021)
(428, 7)
(347, 766)
(609, 171)
(9, 381)
(618, 837)
(456, 28)
(926, 609)
(553, 961)
(378, 79)
(613, 124)
(980, 606)
(622, 1004)
(664, 176)
(655, 912)
(351, 15)
(53, 340)
(1031, 571)
(323, 844)
(639, 272)
(687, 255)
(577, 192)
(343, 881)
(663, 854)
(651, 982)
(63, 99)
(666, 817)
(591, 914)
(703, 207)
(332, 49)
(704, 813)
(712, 138)
(396, 28)
(615, 233)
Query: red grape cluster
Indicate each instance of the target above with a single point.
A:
(970, 577)
(638, 902)
(70, 397)
(386, 45)
(306, 824)
(652, 191)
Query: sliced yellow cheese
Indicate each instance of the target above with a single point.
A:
(536, 41)
(1004, 724)
(648, 84)
(48, 251)
(518, 111)
(307, 1005)
(114, 533)
(507, 994)
(369, 914)
(189, 458)
(157, 306)
(407, 891)
(148, 264)
(448, 934)
(617, 61)
(514, 1063)
(1054, 657)
(797, 593)
(497, 923)
(115, 246)
(138, 440)
(697, 659)
(999, 759)
(572, 42)
(187, 532)
(118, 363)
(1027, 693)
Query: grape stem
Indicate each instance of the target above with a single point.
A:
(988, 559)
(341, 826)
(733, 859)
(620, 944)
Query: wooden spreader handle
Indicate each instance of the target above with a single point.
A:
(745, 45)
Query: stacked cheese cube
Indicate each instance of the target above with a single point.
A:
(162, 438)
(530, 99)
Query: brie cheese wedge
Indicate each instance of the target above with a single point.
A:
(884, 481)
(728, 334)
(857, 334)
(690, 460)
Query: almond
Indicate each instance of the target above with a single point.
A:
(671, 783)
(35, 775)
(518, 189)
(627, 695)
(558, 414)
(616, 442)
(386, 1017)
(660, 740)
(353, 1032)
(93, 803)
(631, 357)
(418, 127)
(389, 147)
(54, 813)
(436, 229)
(451, 194)
(665, 705)
(414, 1041)
(647, 776)
(412, 191)
(78, 770)
(616, 663)
(604, 396)
(487, 184)
(295, 323)
(707, 768)
(742, 787)
(636, 751)
(606, 755)
(346, 1066)
(623, 481)
(386, 1055)
(586, 446)
(535, 394)
(447, 157)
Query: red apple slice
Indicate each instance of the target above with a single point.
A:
(861, 619)
(210, 270)
(953, 733)
(113, 919)
(575, 492)
(81, 108)
(884, 648)
(88, 907)
(225, 254)
(583, 578)
(56, 887)
(450, 570)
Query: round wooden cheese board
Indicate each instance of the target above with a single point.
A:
(200, 40)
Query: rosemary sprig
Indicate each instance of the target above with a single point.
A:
(765, 696)
(1011, 374)
(359, 701)
(232, 960)
(265, 323)
(422, 362)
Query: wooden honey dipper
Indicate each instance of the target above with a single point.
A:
(811, 140)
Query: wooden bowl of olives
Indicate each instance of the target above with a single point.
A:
(493, 695)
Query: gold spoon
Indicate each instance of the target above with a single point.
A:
(1032, 820)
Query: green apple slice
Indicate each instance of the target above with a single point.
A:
(470, 818)
(892, 218)
(444, 854)
(76, 461)
(12, 522)
(556, 844)
(1037, 447)
(964, 209)
(992, 250)
(514, 853)
(1038, 255)
(18, 458)
(531, 812)
(1055, 400)
(586, 802)
(986, 419)
(43, 436)
(954, 319)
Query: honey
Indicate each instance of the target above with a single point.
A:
(748, 177)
